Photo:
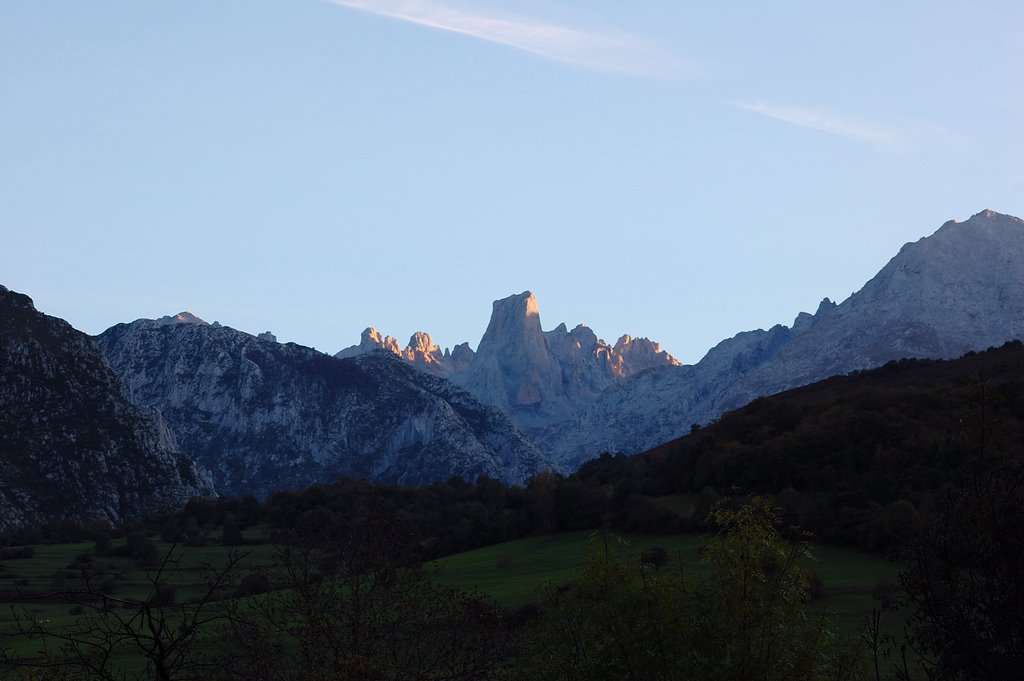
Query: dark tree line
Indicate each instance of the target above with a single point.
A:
(863, 459)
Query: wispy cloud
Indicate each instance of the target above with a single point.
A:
(890, 137)
(592, 49)
(829, 122)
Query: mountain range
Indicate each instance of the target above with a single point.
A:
(537, 377)
(960, 289)
(259, 415)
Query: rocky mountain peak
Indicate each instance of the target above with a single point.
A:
(987, 226)
(369, 341)
(803, 322)
(513, 319)
(376, 340)
(541, 376)
(424, 353)
(461, 357)
(535, 376)
(421, 343)
(633, 355)
(421, 350)
(584, 335)
(15, 300)
(514, 368)
(976, 263)
(824, 307)
(185, 317)
(960, 289)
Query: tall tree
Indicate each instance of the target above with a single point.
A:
(629, 619)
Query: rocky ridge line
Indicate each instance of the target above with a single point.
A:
(958, 290)
(537, 377)
(264, 416)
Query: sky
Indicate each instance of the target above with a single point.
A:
(680, 171)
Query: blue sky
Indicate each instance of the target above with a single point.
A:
(681, 171)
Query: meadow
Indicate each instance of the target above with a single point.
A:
(513, 573)
(516, 573)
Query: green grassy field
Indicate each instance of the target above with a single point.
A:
(31, 586)
(41, 573)
(514, 573)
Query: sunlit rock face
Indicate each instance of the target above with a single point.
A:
(514, 368)
(633, 355)
(543, 377)
(537, 377)
(371, 340)
(263, 416)
(181, 318)
(72, 445)
(425, 354)
(421, 351)
(960, 289)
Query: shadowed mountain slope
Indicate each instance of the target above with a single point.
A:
(72, 446)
